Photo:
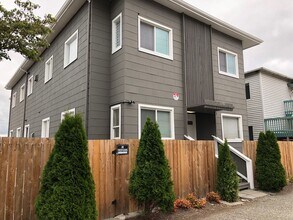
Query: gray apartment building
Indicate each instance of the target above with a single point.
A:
(118, 62)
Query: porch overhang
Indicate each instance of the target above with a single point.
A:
(211, 106)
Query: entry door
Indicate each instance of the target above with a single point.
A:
(191, 125)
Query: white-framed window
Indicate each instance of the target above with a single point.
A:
(18, 132)
(48, 69)
(228, 63)
(70, 112)
(164, 116)
(155, 38)
(232, 128)
(115, 122)
(70, 49)
(13, 99)
(117, 33)
(30, 84)
(45, 128)
(26, 131)
(21, 93)
(10, 133)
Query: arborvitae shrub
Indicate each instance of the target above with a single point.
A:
(270, 173)
(150, 181)
(67, 187)
(227, 179)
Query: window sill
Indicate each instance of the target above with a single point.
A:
(169, 57)
(29, 94)
(47, 80)
(238, 140)
(68, 64)
(229, 74)
(116, 49)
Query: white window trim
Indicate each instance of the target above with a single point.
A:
(10, 133)
(155, 24)
(13, 104)
(240, 127)
(114, 48)
(21, 93)
(18, 132)
(26, 133)
(42, 132)
(111, 121)
(74, 35)
(51, 61)
(66, 112)
(160, 108)
(236, 63)
(30, 85)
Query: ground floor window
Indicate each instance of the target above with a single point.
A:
(70, 112)
(18, 132)
(26, 131)
(232, 127)
(45, 128)
(115, 125)
(164, 116)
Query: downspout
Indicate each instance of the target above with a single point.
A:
(184, 73)
(9, 113)
(25, 98)
(88, 67)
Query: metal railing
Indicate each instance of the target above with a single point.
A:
(288, 106)
(281, 126)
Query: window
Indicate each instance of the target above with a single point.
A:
(228, 63)
(250, 132)
(232, 127)
(14, 100)
(26, 131)
(70, 49)
(48, 69)
(10, 133)
(164, 116)
(247, 90)
(117, 33)
(21, 93)
(154, 38)
(70, 112)
(30, 83)
(115, 122)
(18, 132)
(45, 128)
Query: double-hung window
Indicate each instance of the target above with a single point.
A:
(48, 69)
(115, 127)
(232, 127)
(26, 131)
(155, 38)
(228, 63)
(164, 116)
(45, 128)
(13, 99)
(70, 112)
(30, 84)
(70, 49)
(21, 93)
(117, 33)
(18, 132)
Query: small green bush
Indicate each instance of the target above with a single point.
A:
(150, 181)
(270, 173)
(67, 187)
(227, 179)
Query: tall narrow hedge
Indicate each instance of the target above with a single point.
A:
(270, 173)
(67, 187)
(150, 181)
(227, 179)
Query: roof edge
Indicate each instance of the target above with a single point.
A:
(269, 72)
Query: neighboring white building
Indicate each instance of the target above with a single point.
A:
(269, 102)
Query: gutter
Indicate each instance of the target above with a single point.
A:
(25, 99)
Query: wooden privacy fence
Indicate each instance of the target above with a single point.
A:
(22, 161)
(286, 149)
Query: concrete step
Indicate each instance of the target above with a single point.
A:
(243, 185)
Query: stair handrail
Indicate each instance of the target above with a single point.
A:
(249, 166)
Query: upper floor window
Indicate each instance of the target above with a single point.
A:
(48, 69)
(30, 84)
(228, 63)
(21, 93)
(232, 127)
(117, 33)
(155, 38)
(70, 49)
(115, 122)
(45, 128)
(18, 132)
(247, 90)
(13, 99)
(70, 112)
(164, 116)
(26, 131)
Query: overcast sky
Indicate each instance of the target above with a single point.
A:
(272, 21)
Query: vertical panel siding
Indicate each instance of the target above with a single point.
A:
(254, 105)
(228, 89)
